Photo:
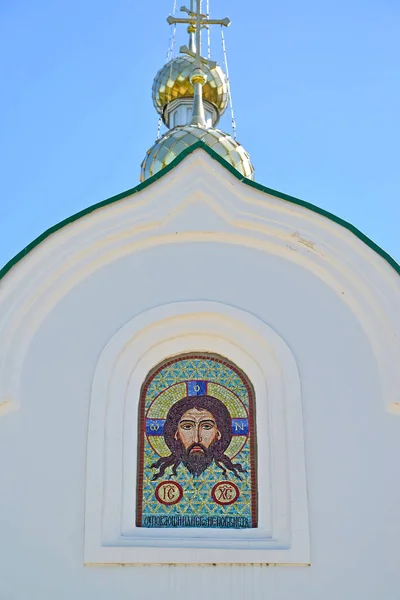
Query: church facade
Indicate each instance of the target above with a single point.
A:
(199, 382)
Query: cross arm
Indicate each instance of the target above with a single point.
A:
(210, 63)
(226, 22)
(171, 20)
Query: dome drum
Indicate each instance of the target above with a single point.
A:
(179, 111)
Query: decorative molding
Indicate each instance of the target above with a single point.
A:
(242, 215)
(199, 145)
(110, 532)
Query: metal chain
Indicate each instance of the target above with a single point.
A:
(229, 83)
(159, 128)
(172, 53)
(208, 31)
(168, 57)
(172, 35)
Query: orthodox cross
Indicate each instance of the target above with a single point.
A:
(197, 21)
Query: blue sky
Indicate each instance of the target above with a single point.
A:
(315, 87)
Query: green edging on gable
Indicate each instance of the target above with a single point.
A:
(234, 172)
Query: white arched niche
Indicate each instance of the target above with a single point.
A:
(111, 536)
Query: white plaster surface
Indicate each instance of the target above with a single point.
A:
(59, 310)
(282, 535)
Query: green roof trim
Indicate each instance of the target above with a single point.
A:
(172, 165)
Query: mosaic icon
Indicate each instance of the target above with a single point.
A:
(197, 435)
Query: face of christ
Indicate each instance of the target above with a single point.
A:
(197, 431)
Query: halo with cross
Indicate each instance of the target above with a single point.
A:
(171, 392)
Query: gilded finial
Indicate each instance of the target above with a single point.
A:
(190, 80)
(198, 79)
(196, 21)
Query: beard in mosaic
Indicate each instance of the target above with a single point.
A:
(197, 431)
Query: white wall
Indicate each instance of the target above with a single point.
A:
(351, 442)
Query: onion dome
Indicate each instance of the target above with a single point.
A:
(173, 82)
(178, 139)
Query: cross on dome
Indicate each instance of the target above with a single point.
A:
(190, 93)
(196, 21)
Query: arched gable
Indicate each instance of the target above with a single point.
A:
(238, 213)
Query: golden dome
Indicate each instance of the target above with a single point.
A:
(176, 140)
(173, 81)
